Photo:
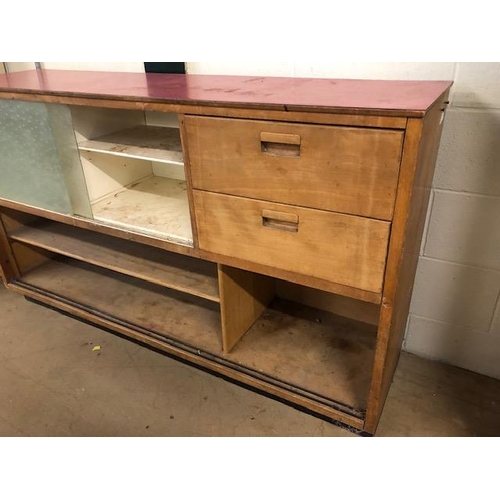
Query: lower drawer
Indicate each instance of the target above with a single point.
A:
(339, 248)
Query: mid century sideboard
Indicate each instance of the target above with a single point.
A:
(264, 229)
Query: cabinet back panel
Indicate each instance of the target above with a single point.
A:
(90, 123)
(358, 310)
(160, 119)
(106, 174)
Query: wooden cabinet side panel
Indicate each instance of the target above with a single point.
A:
(8, 264)
(417, 170)
(14, 260)
(29, 258)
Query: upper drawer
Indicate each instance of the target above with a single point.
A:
(342, 169)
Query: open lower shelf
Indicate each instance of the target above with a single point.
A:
(166, 312)
(156, 205)
(314, 350)
(146, 142)
(178, 272)
(300, 350)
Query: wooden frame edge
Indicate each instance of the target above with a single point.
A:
(419, 157)
(318, 116)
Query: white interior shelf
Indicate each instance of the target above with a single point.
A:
(145, 142)
(155, 205)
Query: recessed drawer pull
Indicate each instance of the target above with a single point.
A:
(280, 144)
(280, 220)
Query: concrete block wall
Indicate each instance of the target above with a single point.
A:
(455, 310)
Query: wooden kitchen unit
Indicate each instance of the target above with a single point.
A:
(264, 229)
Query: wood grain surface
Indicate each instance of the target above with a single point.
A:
(340, 248)
(342, 169)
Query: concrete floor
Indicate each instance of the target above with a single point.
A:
(53, 384)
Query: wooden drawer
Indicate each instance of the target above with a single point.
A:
(343, 169)
(335, 247)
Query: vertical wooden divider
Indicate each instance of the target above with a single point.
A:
(243, 297)
(189, 182)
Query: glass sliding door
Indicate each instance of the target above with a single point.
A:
(39, 160)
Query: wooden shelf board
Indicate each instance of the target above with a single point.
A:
(303, 349)
(186, 274)
(157, 206)
(190, 319)
(146, 142)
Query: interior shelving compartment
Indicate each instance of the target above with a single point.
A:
(134, 171)
(326, 355)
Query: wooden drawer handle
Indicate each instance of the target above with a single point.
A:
(280, 220)
(280, 144)
(280, 138)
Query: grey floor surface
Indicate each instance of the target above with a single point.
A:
(52, 383)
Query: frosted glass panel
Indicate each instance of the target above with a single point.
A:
(39, 162)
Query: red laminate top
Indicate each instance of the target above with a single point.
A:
(397, 98)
